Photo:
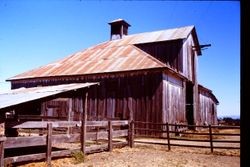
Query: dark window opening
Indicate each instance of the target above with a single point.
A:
(189, 104)
(168, 52)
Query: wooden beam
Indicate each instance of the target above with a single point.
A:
(42, 124)
(15, 142)
(39, 117)
(132, 132)
(39, 156)
(168, 136)
(49, 144)
(103, 147)
(58, 124)
(23, 158)
(211, 138)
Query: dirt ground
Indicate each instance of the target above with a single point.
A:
(144, 155)
(153, 155)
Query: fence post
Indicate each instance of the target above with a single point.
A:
(84, 122)
(110, 136)
(168, 136)
(83, 136)
(131, 134)
(211, 138)
(49, 144)
(2, 139)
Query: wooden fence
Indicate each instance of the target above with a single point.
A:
(175, 132)
(107, 131)
(89, 131)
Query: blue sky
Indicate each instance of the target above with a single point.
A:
(34, 33)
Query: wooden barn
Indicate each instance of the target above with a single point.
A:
(208, 106)
(148, 77)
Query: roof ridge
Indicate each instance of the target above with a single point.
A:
(142, 33)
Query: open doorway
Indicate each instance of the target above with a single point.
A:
(189, 103)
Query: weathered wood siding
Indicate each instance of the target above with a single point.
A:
(190, 71)
(56, 108)
(208, 110)
(114, 98)
(188, 58)
(173, 100)
(168, 52)
(177, 54)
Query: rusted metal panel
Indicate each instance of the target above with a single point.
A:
(91, 61)
(111, 56)
(157, 36)
(23, 95)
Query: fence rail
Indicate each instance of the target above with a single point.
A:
(110, 131)
(180, 129)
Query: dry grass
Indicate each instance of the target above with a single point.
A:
(148, 156)
(143, 155)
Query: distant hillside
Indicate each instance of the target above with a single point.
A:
(229, 120)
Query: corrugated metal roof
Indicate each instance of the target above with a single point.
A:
(157, 36)
(111, 56)
(23, 95)
(95, 60)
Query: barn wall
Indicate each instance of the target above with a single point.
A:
(188, 54)
(168, 52)
(208, 110)
(114, 98)
(173, 99)
(190, 71)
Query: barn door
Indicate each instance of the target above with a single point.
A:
(189, 103)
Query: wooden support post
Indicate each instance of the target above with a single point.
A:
(110, 136)
(2, 139)
(211, 138)
(132, 133)
(84, 122)
(131, 117)
(49, 144)
(168, 136)
(128, 138)
(70, 114)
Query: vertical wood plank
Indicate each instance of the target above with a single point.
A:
(110, 136)
(211, 138)
(49, 144)
(84, 121)
(132, 133)
(168, 138)
(70, 114)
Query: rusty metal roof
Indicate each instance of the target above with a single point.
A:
(24, 95)
(158, 36)
(111, 56)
